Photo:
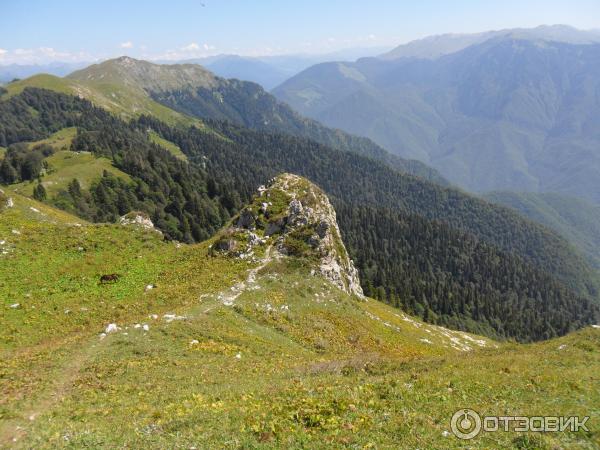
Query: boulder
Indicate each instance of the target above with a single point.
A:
(297, 216)
(138, 219)
(226, 245)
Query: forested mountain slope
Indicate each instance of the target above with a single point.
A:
(575, 219)
(189, 201)
(196, 92)
(511, 113)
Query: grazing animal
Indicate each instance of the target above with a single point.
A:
(113, 277)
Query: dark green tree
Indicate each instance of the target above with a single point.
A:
(39, 193)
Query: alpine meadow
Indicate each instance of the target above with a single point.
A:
(227, 225)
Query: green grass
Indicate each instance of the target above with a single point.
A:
(61, 140)
(170, 146)
(125, 101)
(2, 153)
(42, 81)
(65, 165)
(292, 362)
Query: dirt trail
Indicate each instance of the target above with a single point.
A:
(13, 430)
(228, 297)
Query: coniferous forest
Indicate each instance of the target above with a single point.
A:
(436, 252)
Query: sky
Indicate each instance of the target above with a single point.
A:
(38, 31)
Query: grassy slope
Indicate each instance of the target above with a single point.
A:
(65, 165)
(575, 219)
(316, 368)
(173, 148)
(61, 140)
(118, 99)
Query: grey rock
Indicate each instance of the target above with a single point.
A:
(247, 220)
(226, 245)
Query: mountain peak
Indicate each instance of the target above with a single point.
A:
(145, 75)
(296, 218)
(433, 47)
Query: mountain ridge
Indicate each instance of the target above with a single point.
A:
(190, 199)
(130, 88)
(433, 47)
(503, 114)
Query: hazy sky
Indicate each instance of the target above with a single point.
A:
(41, 31)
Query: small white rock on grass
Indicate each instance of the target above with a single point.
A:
(111, 328)
(172, 317)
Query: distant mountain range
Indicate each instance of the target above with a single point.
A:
(433, 47)
(270, 71)
(509, 110)
(17, 71)
(188, 90)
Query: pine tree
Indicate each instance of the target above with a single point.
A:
(39, 193)
(75, 189)
(8, 174)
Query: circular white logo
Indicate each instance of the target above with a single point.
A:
(465, 424)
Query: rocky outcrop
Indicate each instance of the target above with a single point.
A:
(295, 217)
(308, 227)
(138, 219)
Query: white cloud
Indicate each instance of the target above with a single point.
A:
(127, 44)
(192, 50)
(41, 55)
(23, 51)
(191, 47)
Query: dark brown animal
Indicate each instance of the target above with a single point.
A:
(113, 277)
